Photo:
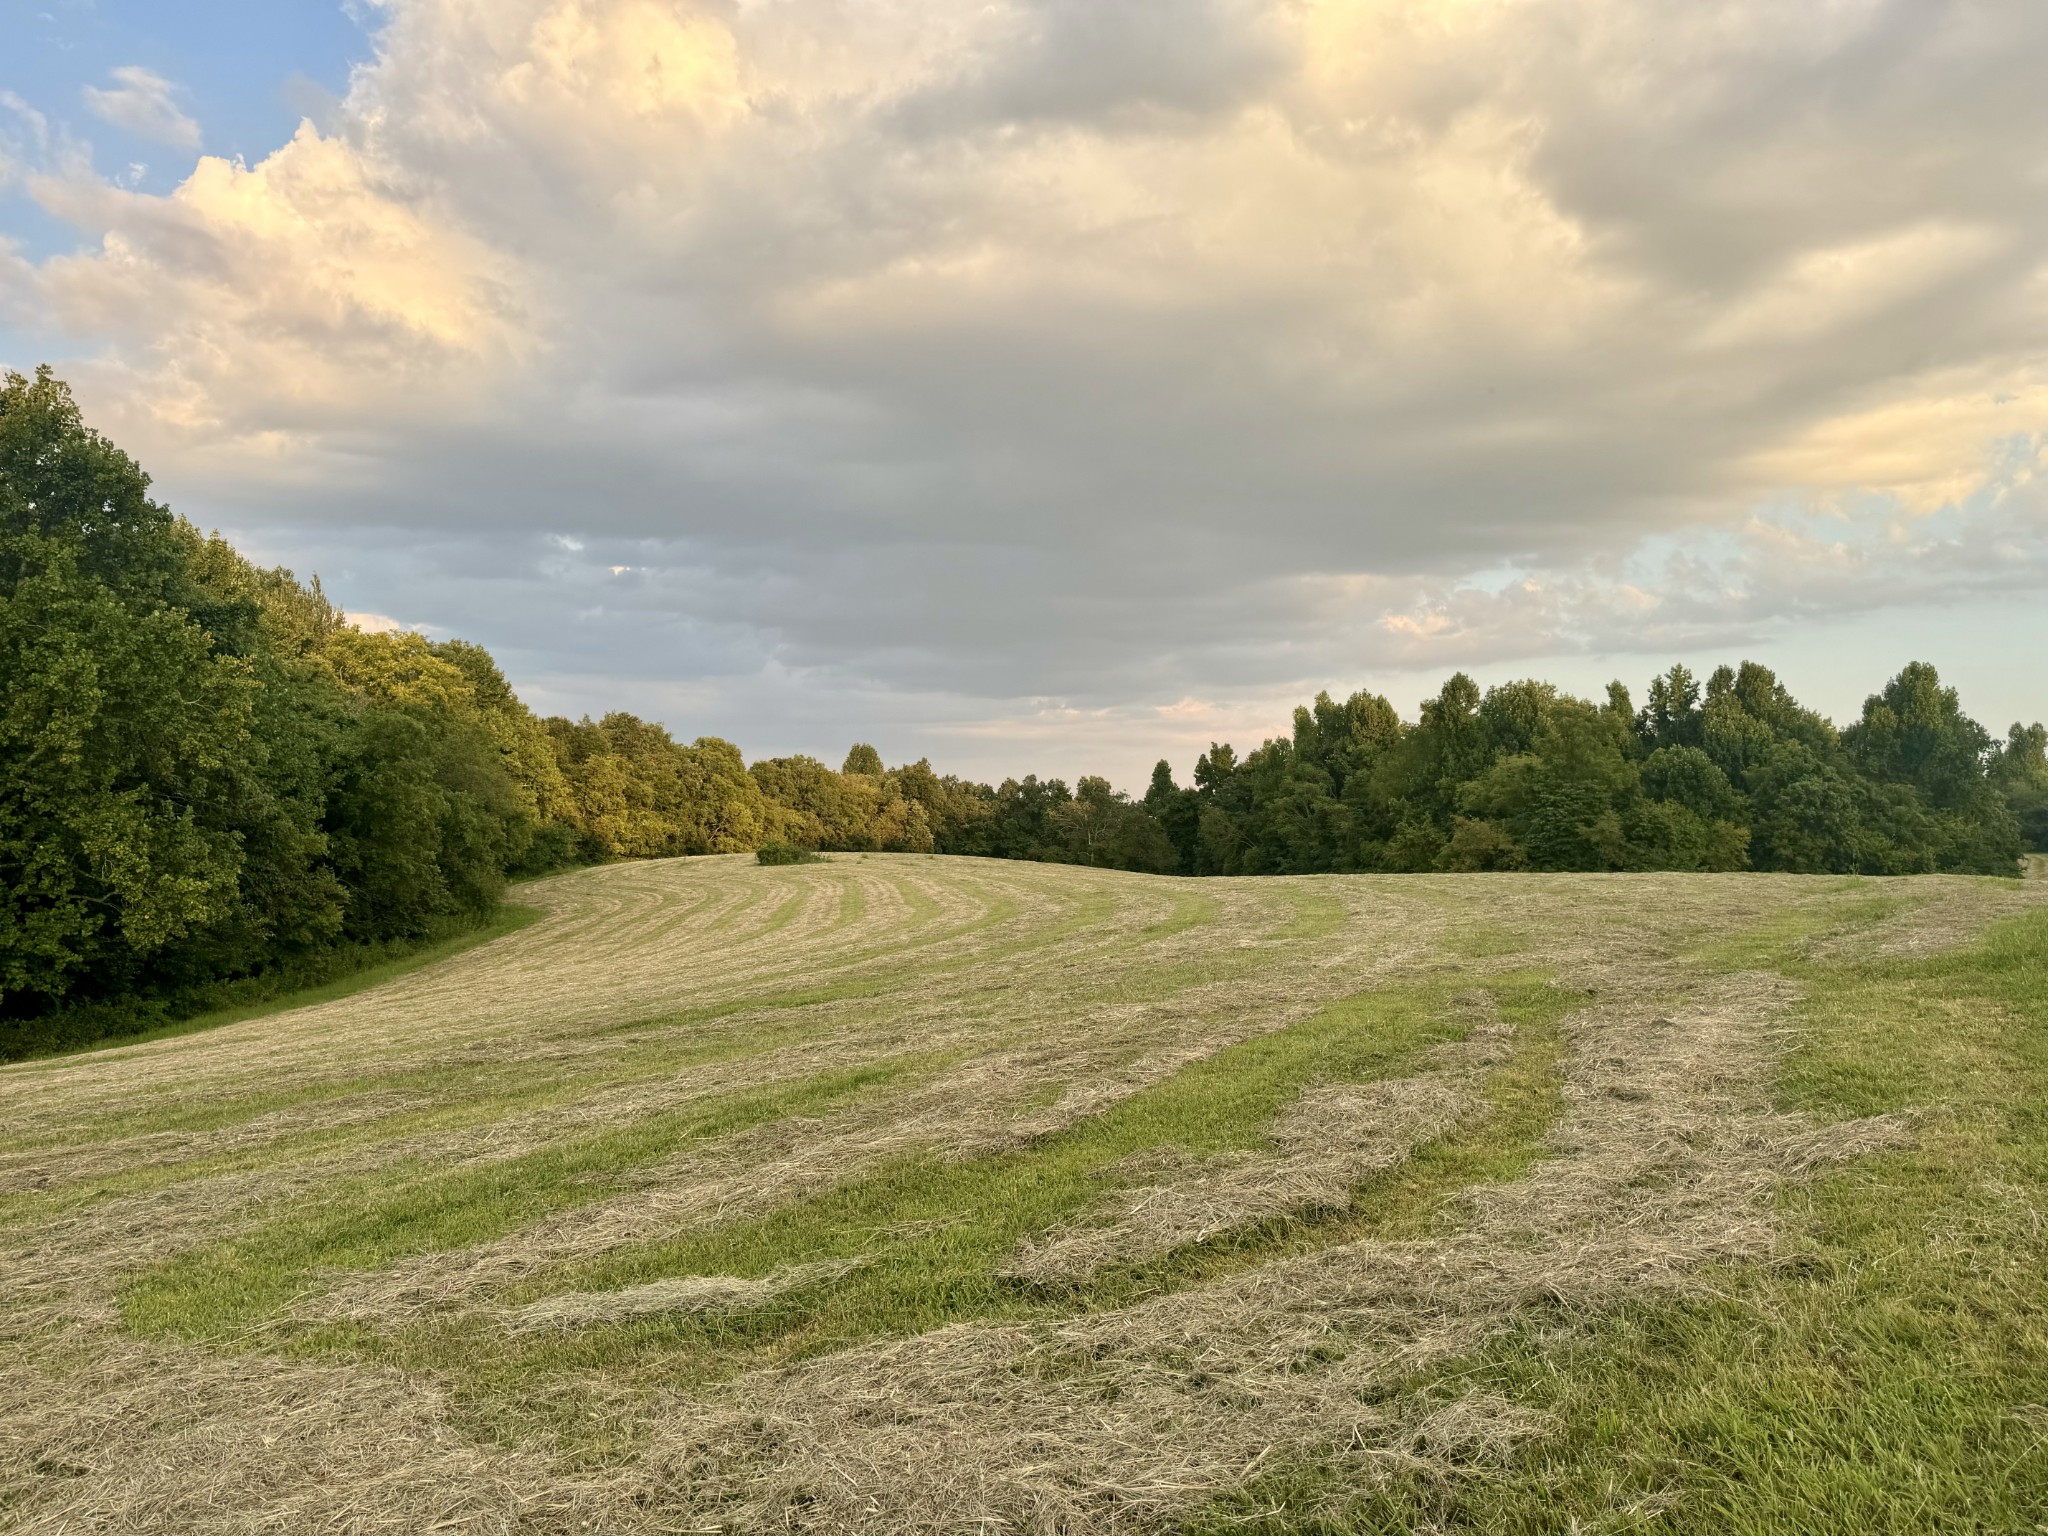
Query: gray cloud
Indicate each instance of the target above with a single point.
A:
(1138, 65)
(994, 364)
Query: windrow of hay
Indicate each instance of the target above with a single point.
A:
(614, 945)
(1937, 915)
(685, 1294)
(1667, 1158)
(1332, 1139)
(1072, 1056)
(132, 1439)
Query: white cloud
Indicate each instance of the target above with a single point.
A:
(261, 314)
(142, 102)
(1048, 363)
(380, 624)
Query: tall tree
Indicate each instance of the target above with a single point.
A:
(120, 727)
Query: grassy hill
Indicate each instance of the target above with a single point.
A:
(903, 1194)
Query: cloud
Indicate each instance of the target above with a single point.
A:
(380, 624)
(1144, 64)
(1050, 363)
(140, 102)
(270, 311)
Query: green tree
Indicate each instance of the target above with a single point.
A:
(1914, 737)
(1672, 717)
(427, 814)
(120, 727)
(638, 793)
(1099, 826)
(116, 749)
(1692, 818)
(1178, 812)
(1561, 796)
(2019, 771)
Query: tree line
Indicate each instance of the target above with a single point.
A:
(1732, 774)
(208, 775)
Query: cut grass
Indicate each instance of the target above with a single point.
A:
(478, 1094)
(1888, 1375)
(453, 1098)
(932, 1234)
(847, 1102)
(1523, 1099)
(1835, 907)
(352, 972)
(1318, 913)
(229, 1288)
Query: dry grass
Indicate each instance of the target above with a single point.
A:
(1930, 917)
(1328, 1142)
(1666, 1157)
(724, 1294)
(219, 1252)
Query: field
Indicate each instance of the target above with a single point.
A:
(898, 1194)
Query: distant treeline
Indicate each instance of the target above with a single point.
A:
(207, 774)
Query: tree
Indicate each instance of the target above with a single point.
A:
(522, 741)
(1692, 818)
(1022, 824)
(2019, 771)
(120, 727)
(117, 742)
(1099, 826)
(1805, 817)
(1179, 815)
(1449, 746)
(1914, 737)
(1672, 716)
(637, 793)
(813, 808)
(428, 814)
(1561, 797)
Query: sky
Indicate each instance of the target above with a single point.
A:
(1047, 385)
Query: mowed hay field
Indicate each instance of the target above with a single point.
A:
(901, 1194)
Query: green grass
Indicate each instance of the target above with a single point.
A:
(935, 1230)
(1484, 941)
(461, 1096)
(345, 972)
(1890, 1375)
(1318, 913)
(228, 1288)
(465, 1093)
(1191, 909)
(934, 1234)
(1836, 908)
